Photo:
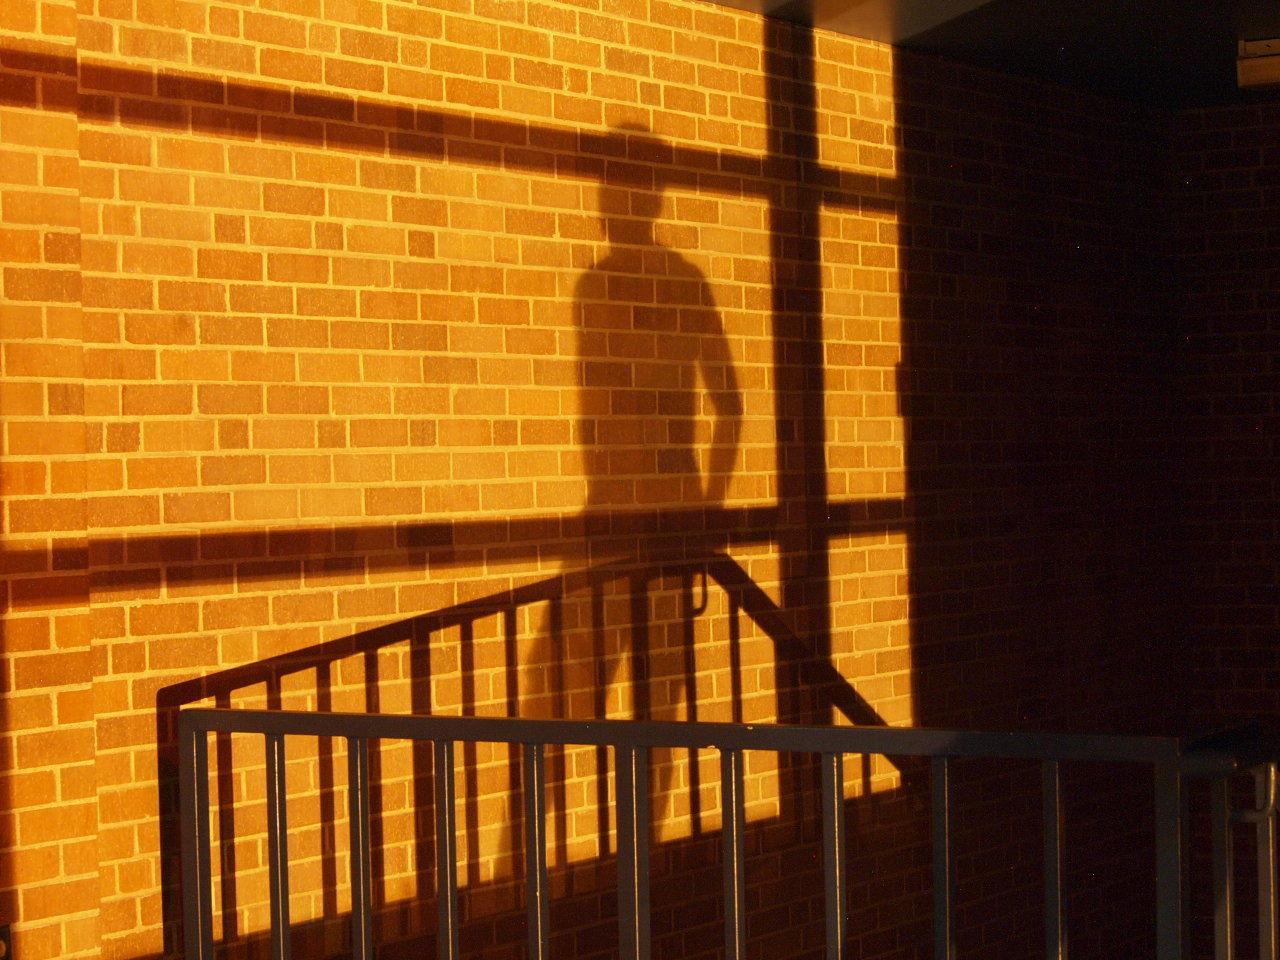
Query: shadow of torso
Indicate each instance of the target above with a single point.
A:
(653, 361)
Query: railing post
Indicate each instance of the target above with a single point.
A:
(537, 905)
(1055, 944)
(446, 854)
(197, 873)
(732, 834)
(633, 853)
(943, 924)
(1169, 890)
(278, 848)
(1266, 831)
(833, 851)
(1223, 871)
(361, 849)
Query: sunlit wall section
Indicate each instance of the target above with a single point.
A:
(865, 430)
(391, 307)
(49, 814)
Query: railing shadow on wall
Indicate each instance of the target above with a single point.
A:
(631, 585)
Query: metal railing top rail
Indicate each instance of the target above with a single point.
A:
(1171, 760)
(1186, 756)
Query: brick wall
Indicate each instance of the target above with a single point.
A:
(1228, 169)
(1036, 388)
(324, 320)
(350, 312)
(1037, 391)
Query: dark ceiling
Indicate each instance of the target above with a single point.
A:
(1174, 53)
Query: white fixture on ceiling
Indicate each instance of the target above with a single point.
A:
(1258, 64)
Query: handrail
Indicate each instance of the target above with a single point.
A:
(721, 568)
(780, 738)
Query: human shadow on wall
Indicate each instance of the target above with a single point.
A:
(653, 363)
(649, 337)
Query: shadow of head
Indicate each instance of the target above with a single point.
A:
(631, 188)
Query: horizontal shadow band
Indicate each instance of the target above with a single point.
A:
(74, 565)
(237, 110)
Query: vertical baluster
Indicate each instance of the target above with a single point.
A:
(278, 848)
(633, 853)
(228, 896)
(446, 854)
(1266, 831)
(735, 658)
(361, 849)
(1054, 940)
(197, 863)
(833, 851)
(1223, 871)
(732, 835)
(1168, 788)
(943, 934)
(537, 903)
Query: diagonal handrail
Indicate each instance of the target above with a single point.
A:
(757, 604)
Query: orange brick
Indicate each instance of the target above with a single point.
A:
(232, 470)
(123, 511)
(379, 433)
(154, 619)
(118, 293)
(301, 608)
(49, 438)
(354, 74)
(191, 295)
(393, 501)
(41, 360)
(279, 232)
(237, 613)
(196, 507)
(284, 434)
(191, 155)
(163, 436)
(265, 504)
(150, 186)
(35, 207)
(299, 469)
(58, 286)
(297, 268)
(229, 265)
(291, 65)
(19, 478)
(229, 398)
(156, 399)
(289, 198)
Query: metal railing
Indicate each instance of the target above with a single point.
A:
(1170, 760)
